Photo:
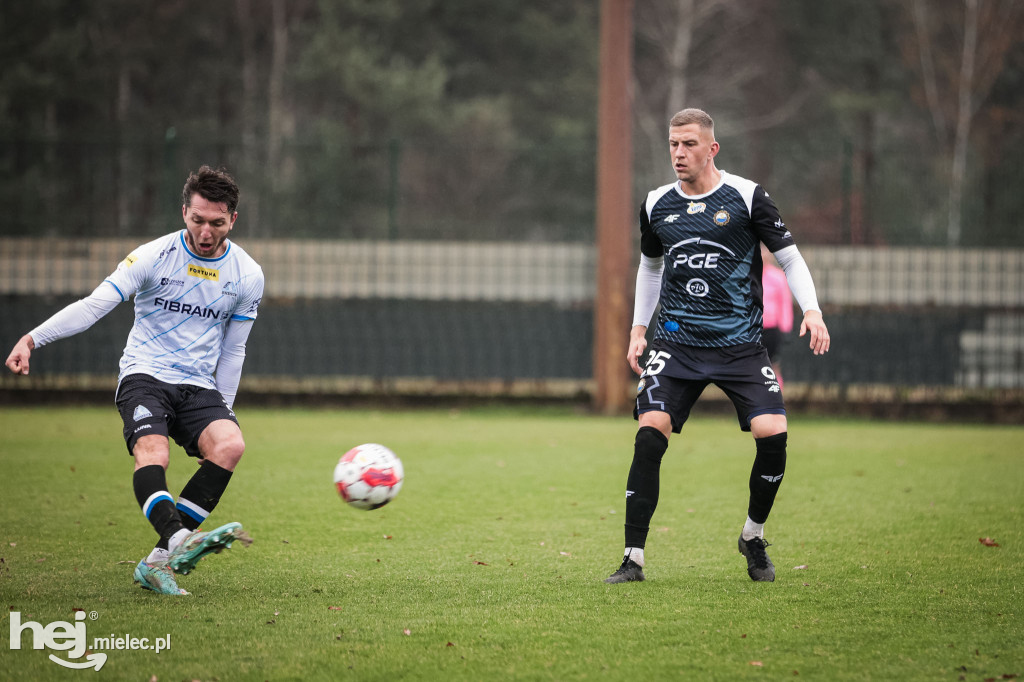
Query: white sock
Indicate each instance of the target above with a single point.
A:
(177, 539)
(159, 555)
(752, 530)
(636, 555)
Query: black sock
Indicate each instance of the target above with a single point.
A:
(766, 475)
(202, 493)
(150, 483)
(642, 484)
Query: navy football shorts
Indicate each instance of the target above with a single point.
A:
(150, 407)
(675, 376)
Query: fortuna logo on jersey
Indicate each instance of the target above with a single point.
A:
(204, 273)
(188, 309)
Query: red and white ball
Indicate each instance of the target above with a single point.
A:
(369, 476)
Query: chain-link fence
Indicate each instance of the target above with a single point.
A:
(436, 269)
(515, 319)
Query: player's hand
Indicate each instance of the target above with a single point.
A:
(814, 324)
(17, 361)
(637, 345)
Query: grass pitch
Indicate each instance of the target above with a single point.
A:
(489, 563)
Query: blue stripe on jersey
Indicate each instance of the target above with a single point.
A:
(119, 292)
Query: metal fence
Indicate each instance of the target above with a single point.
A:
(385, 318)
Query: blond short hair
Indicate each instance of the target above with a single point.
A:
(698, 116)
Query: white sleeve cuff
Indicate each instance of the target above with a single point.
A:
(799, 277)
(648, 289)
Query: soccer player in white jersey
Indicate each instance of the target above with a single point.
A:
(701, 261)
(196, 297)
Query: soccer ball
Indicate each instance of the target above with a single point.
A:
(368, 476)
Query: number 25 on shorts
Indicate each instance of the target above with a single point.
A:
(655, 362)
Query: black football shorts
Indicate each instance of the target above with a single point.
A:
(179, 411)
(774, 341)
(675, 376)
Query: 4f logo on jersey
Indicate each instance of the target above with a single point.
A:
(671, 218)
(203, 273)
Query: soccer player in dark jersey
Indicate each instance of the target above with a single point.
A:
(701, 260)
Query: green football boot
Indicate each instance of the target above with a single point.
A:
(157, 577)
(186, 555)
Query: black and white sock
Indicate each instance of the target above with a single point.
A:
(765, 479)
(150, 484)
(202, 493)
(642, 486)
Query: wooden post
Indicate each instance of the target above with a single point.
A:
(616, 222)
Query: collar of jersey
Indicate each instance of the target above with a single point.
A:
(184, 245)
(721, 181)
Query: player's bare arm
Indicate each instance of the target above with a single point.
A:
(813, 323)
(17, 361)
(637, 345)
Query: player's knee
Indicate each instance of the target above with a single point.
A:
(226, 452)
(650, 444)
(150, 450)
(766, 425)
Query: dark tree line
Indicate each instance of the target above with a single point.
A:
(870, 122)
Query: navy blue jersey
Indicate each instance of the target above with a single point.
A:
(711, 286)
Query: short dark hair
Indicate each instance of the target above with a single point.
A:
(213, 185)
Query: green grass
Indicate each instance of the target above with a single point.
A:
(489, 563)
